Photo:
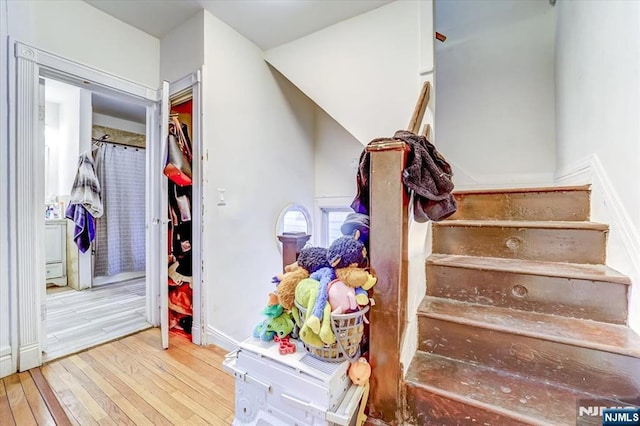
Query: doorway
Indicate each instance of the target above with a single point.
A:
(27, 155)
(95, 272)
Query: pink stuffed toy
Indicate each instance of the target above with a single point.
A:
(342, 298)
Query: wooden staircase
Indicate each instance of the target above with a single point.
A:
(521, 319)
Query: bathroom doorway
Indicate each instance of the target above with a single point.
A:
(29, 305)
(95, 272)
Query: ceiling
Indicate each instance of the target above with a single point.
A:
(267, 23)
(114, 107)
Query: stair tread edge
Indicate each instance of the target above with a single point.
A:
(592, 272)
(632, 351)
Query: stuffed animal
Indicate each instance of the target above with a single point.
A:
(347, 255)
(306, 294)
(347, 251)
(360, 371)
(309, 260)
(281, 326)
(324, 276)
(342, 298)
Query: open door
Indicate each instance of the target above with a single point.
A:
(157, 214)
(186, 93)
(164, 214)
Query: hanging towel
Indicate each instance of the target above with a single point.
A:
(86, 187)
(85, 230)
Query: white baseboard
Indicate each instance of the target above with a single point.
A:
(218, 338)
(29, 356)
(579, 173)
(123, 276)
(6, 362)
(623, 243)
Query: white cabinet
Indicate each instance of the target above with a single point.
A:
(55, 236)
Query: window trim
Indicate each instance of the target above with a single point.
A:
(321, 205)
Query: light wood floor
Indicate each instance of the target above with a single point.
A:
(131, 381)
(77, 320)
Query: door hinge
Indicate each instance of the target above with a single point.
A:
(43, 312)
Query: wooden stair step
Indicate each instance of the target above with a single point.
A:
(537, 224)
(561, 203)
(578, 271)
(557, 241)
(524, 190)
(442, 390)
(585, 291)
(600, 357)
(589, 334)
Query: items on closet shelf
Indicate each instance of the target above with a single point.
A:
(178, 167)
(85, 204)
(180, 259)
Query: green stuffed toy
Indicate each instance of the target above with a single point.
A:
(281, 325)
(306, 294)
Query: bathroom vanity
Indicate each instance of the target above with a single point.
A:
(56, 251)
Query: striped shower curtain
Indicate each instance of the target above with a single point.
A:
(120, 233)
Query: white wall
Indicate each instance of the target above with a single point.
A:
(7, 362)
(258, 145)
(336, 156)
(79, 32)
(495, 94)
(182, 50)
(65, 147)
(598, 106)
(118, 123)
(362, 71)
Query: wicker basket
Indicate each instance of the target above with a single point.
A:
(348, 329)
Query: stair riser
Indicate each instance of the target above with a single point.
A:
(554, 205)
(427, 408)
(598, 372)
(599, 301)
(558, 245)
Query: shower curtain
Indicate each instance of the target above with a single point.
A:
(120, 233)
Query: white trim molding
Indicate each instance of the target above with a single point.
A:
(589, 170)
(6, 362)
(26, 189)
(29, 223)
(68, 71)
(579, 173)
(218, 338)
(623, 243)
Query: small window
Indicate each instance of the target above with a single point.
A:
(332, 220)
(294, 218)
(295, 221)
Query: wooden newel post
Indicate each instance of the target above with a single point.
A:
(389, 259)
(292, 243)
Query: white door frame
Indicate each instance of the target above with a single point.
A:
(193, 81)
(27, 180)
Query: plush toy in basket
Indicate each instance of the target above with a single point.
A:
(333, 331)
(347, 329)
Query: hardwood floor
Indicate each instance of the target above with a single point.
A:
(77, 320)
(131, 381)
